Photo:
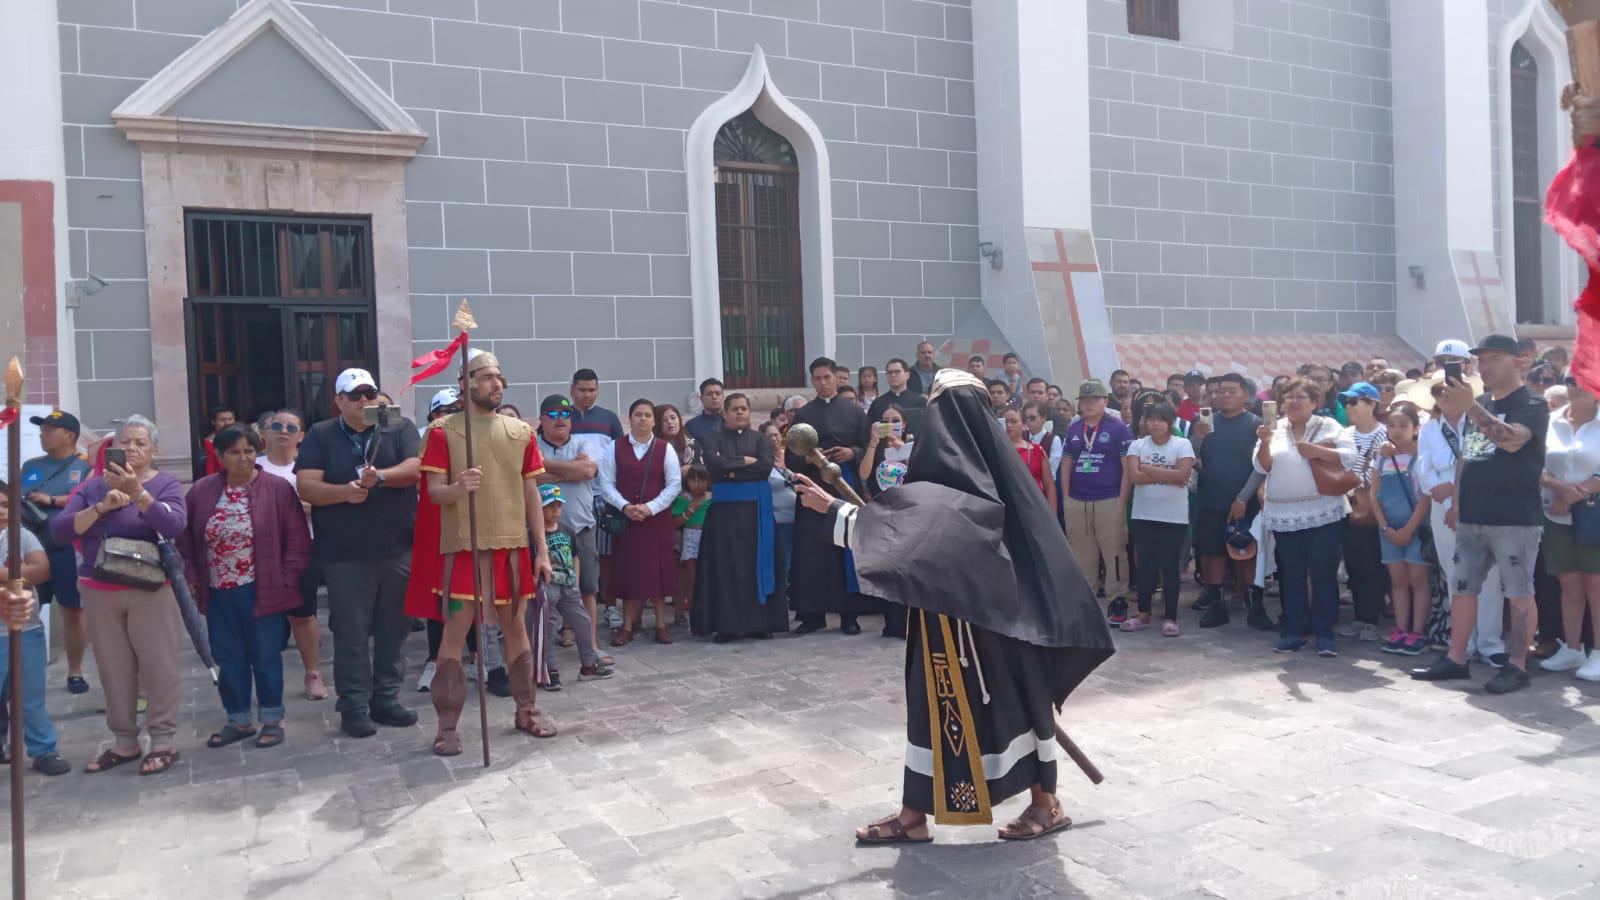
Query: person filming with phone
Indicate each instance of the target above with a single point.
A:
(360, 478)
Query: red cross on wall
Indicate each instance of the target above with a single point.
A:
(1066, 267)
(1483, 284)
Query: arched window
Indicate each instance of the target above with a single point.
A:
(758, 255)
(1526, 194)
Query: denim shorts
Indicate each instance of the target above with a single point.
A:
(1410, 553)
(1514, 548)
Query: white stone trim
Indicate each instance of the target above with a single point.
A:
(1546, 39)
(757, 92)
(145, 111)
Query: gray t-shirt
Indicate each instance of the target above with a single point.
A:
(30, 544)
(577, 507)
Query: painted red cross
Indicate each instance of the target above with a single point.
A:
(1482, 284)
(1066, 267)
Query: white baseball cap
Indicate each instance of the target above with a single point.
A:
(1453, 347)
(350, 379)
(444, 398)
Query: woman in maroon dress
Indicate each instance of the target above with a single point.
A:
(641, 476)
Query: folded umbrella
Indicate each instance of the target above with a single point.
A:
(193, 621)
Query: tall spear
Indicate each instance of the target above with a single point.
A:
(13, 378)
(464, 323)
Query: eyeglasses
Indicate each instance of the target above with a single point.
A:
(1545, 382)
(559, 414)
(362, 393)
(284, 426)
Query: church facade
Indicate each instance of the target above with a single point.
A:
(226, 201)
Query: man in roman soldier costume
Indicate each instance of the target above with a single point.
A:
(1001, 628)
(507, 462)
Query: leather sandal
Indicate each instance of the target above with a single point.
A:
(622, 638)
(1034, 823)
(663, 636)
(533, 722)
(890, 830)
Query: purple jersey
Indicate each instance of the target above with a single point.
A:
(1096, 458)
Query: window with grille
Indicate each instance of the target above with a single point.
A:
(758, 255)
(1153, 18)
(1526, 197)
(244, 256)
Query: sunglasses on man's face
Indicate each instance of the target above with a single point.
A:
(559, 414)
(362, 394)
(285, 427)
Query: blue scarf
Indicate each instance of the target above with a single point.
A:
(759, 493)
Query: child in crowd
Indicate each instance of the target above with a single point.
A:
(689, 512)
(1158, 466)
(562, 600)
(38, 732)
(1402, 509)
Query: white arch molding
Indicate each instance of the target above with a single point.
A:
(1546, 39)
(757, 93)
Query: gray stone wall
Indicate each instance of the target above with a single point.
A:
(552, 190)
(1247, 190)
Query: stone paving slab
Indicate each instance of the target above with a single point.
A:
(705, 771)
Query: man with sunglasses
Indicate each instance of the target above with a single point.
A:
(283, 433)
(569, 466)
(361, 483)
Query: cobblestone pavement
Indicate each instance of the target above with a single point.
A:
(739, 770)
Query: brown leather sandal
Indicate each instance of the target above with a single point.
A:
(447, 743)
(1034, 824)
(110, 759)
(533, 722)
(158, 761)
(622, 638)
(890, 830)
(663, 636)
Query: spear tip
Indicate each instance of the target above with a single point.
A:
(14, 382)
(464, 320)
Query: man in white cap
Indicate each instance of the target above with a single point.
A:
(361, 480)
(1456, 351)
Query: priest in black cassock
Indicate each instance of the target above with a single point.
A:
(899, 394)
(738, 588)
(1002, 625)
(821, 581)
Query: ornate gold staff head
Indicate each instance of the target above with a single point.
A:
(14, 382)
(464, 320)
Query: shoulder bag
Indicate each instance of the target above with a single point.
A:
(1331, 477)
(1586, 522)
(612, 520)
(1362, 515)
(128, 562)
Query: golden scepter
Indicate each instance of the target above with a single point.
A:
(19, 877)
(464, 323)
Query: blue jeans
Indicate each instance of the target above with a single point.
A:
(247, 649)
(1310, 554)
(37, 730)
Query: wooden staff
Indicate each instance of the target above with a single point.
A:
(1078, 756)
(13, 378)
(465, 324)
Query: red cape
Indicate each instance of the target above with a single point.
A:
(1572, 207)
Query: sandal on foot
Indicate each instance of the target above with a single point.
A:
(1134, 625)
(271, 736)
(109, 760)
(890, 830)
(447, 743)
(535, 724)
(606, 660)
(565, 639)
(663, 636)
(1035, 823)
(158, 761)
(230, 734)
(622, 638)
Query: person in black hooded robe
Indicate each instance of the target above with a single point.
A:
(1002, 624)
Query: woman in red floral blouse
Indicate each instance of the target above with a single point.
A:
(245, 546)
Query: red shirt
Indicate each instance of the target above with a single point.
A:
(1188, 410)
(1034, 457)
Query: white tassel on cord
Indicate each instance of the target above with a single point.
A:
(977, 664)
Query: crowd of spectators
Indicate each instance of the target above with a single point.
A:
(1454, 504)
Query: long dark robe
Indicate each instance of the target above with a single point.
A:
(817, 579)
(726, 597)
(1002, 626)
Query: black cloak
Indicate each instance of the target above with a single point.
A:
(969, 535)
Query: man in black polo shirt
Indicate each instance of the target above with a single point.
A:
(1223, 448)
(1498, 515)
(362, 489)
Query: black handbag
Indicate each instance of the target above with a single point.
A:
(614, 521)
(1586, 522)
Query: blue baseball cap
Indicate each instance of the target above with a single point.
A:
(548, 494)
(1361, 390)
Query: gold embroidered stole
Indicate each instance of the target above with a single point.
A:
(960, 792)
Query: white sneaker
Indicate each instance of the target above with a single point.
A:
(425, 680)
(1565, 659)
(613, 618)
(1590, 671)
(1362, 630)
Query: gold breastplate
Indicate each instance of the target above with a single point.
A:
(499, 444)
